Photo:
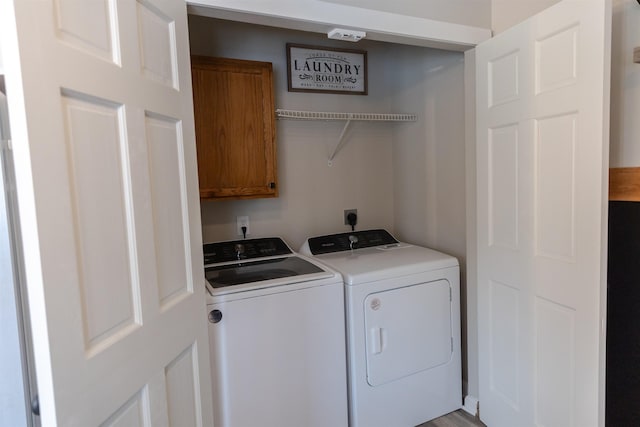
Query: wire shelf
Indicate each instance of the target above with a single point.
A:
(346, 117)
(323, 115)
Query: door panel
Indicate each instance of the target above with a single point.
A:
(157, 44)
(89, 26)
(107, 189)
(542, 126)
(555, 187)
(504, 341)
(108, 284)
(170, 226)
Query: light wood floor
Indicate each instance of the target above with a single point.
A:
(458, 418)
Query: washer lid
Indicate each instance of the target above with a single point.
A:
(258, 271)
(240, 266)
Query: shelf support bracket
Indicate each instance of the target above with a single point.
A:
(341, 142)
(348, 117)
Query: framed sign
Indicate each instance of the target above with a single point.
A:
(327, 70)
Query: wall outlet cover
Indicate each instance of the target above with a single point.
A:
(242, 221)
(347, 212)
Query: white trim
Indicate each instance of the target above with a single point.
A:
(472, 380)
(321, 17)
(471, 405)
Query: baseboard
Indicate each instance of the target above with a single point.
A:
(471, 405)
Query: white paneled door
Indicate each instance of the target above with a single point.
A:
(542, 158)
(102, 120)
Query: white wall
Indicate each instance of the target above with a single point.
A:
(406, 171)
(13, 410)
(312, 194)
(476, 13)
(625, 85)
(507, 13)
(429, 159)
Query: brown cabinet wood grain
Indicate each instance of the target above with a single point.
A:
(235, 129)
(624, 184)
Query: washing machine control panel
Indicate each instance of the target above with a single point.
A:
(244, 249)
(349, 241)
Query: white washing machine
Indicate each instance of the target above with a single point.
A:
(403, 327)
(276, 336)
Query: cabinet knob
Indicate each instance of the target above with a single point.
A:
(272, 185)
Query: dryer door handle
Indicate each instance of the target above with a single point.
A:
(377, 339)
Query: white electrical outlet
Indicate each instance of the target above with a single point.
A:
(242, 221)
(347, 212)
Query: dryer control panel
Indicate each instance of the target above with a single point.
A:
(347, 241)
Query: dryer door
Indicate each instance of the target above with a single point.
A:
(408, 330)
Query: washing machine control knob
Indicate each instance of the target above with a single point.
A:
(239, 248)
(352, 240)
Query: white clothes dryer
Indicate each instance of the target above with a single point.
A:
(403, 327)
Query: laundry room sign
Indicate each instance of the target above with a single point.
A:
(328, 70)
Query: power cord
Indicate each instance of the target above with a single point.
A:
(352, 220)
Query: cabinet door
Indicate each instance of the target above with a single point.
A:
(235, 132)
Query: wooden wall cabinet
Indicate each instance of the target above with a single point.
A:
(235, 129)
